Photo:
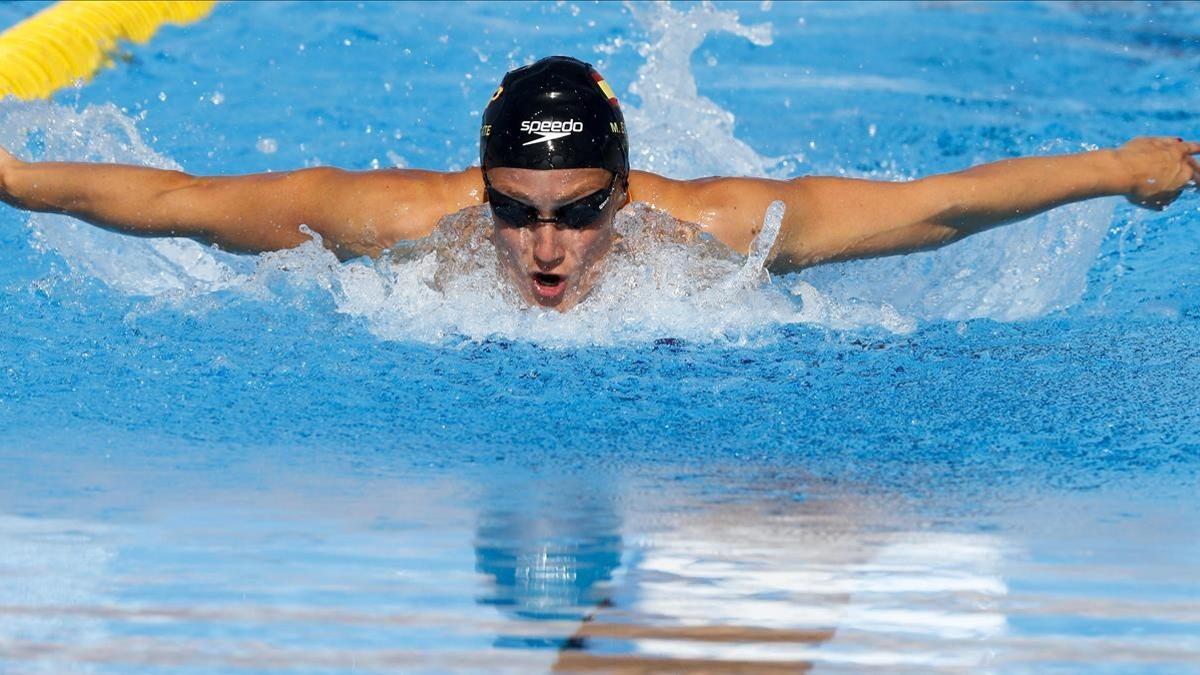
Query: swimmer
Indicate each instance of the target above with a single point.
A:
(554, 168)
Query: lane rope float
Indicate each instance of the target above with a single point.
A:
(73, 39)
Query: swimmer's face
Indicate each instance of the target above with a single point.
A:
(553, 261)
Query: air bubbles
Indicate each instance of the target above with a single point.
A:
(267, 146)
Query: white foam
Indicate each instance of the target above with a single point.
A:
(663, 279)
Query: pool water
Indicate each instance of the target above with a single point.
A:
(982, 458)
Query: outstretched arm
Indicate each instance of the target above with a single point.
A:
(355, 213)
(830, 219)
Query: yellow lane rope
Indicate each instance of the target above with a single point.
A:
(72, 39)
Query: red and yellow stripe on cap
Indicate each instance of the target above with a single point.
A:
(612, 98)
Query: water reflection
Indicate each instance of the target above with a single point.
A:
(725, 570)
(748, 585)
(548, 557)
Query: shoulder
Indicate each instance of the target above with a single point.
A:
(404, 204)
(664, 192)
(711, 192)
(729, 208)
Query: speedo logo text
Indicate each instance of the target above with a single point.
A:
(548, 130)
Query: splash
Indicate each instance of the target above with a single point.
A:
(1016, 272)
(665, 279)
(46, 131)
(677, 131)
(682, 283)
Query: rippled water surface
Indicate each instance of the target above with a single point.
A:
(980, 458)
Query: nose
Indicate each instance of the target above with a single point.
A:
(548, 251)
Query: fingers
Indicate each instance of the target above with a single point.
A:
(1177, 142)
(1166, 143)
(1190, 147)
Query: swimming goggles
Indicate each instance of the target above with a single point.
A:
(575, 215)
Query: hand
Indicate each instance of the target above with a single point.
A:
(1157, 169)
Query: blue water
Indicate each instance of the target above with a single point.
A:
(979, 459)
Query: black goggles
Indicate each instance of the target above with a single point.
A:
(575, 216)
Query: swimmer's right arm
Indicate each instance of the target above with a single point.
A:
(356, 213)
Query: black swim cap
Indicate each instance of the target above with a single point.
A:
(557, 113)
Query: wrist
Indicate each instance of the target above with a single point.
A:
(1113, 177)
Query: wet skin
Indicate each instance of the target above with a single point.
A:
(552, 265)
(826, 219)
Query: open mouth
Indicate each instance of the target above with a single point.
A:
(548, 286)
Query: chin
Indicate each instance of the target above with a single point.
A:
(562, 303)
(568, 300)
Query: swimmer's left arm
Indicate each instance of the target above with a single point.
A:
(832, 219)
